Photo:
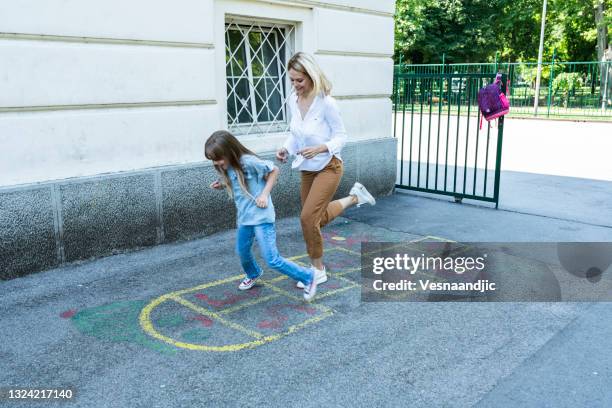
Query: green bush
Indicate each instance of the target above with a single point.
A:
(567, 83)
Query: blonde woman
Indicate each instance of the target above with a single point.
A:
(316, 140)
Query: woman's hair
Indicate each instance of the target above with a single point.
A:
(306, 64)
(223, 145)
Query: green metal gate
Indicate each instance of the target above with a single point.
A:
(441, 146)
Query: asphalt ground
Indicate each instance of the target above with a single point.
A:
(166, 326)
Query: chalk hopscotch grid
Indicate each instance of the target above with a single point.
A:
(260, 338)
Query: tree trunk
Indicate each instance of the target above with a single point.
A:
(606, 79)
(602, 29)
(602, 45)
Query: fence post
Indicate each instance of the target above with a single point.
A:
(607, 66)
(443, 61)
(496, 63)
(550, 81)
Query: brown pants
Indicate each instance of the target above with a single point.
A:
(318, 188)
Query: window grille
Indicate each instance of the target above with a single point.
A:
(257, 87)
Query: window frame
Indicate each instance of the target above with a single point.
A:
(281, 38)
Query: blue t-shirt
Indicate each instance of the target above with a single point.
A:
(254, 171)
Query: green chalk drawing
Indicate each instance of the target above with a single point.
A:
(118, 322)
(196, 335)
(170, 321)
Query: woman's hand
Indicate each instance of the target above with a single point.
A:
(262, 200)
(216, 185)
(312, 151)
(282, 155)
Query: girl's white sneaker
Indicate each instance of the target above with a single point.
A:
(363, 195)
(320, 276)
(247, 283)
(310, 290)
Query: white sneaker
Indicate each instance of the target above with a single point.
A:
(247, 283)
(320, 276)
(310, 290)
(363, 195)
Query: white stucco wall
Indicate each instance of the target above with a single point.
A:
(92, 87)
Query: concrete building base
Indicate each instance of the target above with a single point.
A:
(48, 224)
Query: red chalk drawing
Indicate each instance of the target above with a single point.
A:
(228, 298)
(279, 318)
(206, 321)
(355, 241)
(272, 324)
(306, 309)
(349, 242)
(67, 314)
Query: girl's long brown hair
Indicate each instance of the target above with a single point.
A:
(223, 145)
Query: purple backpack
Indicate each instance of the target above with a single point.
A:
(492, 101)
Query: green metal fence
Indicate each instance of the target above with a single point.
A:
(442, 148)
(568, 89)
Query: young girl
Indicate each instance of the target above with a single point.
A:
(249, 181)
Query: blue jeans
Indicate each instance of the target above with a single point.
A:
(266, 238)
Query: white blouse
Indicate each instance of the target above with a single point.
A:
(321, 125)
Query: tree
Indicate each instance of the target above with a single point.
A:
(473, 30)
(464, 30)
(601, 24)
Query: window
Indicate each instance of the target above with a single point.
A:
(257, 86)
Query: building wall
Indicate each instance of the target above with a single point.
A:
(105, 107)
(106, 86)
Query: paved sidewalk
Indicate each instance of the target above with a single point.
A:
(166, 327)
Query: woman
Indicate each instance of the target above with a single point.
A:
(316, 140)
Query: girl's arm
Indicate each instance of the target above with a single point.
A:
(271, 177)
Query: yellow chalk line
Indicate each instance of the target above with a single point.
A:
(147, 325)
(293, 297)
(206, 285)
(342, 278)
(277, 279)
(393, 246)
(337, 275)
(247, 304)
(350, 251)
(406, 244)
(352, 285)
(216, 316)
(335, 291)
(345, 272)
(293, 258)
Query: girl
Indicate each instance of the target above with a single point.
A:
(316, 140)
(249, 181)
